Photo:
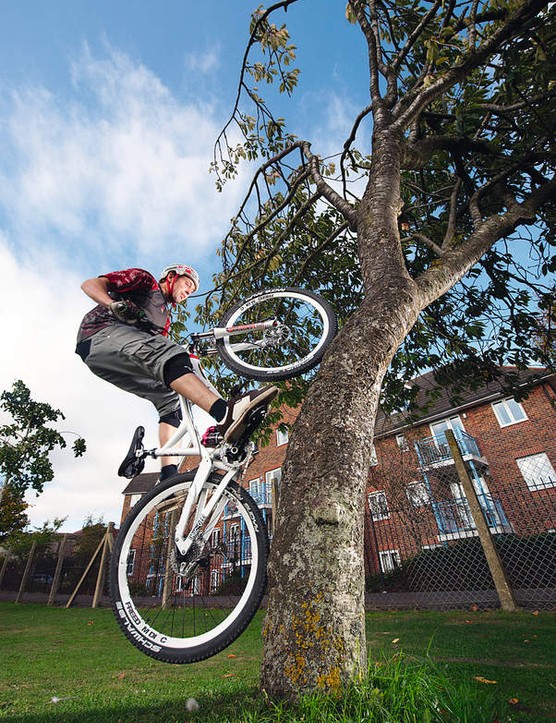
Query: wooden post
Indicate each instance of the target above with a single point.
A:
(106, 549)
(58, 572)
(503, 589)
(168, 570)
(26, 573)
(4, 568)
(274, 491)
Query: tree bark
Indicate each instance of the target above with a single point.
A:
(315, 625)
(315, 622)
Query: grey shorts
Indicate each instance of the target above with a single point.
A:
(134, 361)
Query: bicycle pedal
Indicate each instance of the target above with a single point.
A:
(254, 419)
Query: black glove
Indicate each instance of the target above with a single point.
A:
(127, 311)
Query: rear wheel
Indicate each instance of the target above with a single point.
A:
(305, 324)
(182, 618)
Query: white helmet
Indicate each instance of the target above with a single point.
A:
(181, 270)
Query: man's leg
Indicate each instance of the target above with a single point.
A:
(230, 416)
(192, 388)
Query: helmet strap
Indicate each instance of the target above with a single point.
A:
(170, 283)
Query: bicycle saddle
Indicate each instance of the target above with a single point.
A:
(133, 464)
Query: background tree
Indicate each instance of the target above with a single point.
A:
(13, 515)
(27, 440)
(19, 543)
(430, 231)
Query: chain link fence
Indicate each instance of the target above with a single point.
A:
(422, 547)
(57, 573)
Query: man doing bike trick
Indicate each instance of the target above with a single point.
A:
(123, 340)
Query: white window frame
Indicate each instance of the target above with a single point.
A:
(533, 481)
(421, 497)
(270, 489)
(282, 437)
(402, 443)
(130, 564)
(508, 405)
(216, 537)
(273, 474)
(133, 500)
(378, 511)
(254, 487)
(390, 560)
(374, 456)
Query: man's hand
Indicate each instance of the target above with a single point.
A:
(127, 311)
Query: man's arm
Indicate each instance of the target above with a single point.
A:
(97, 290)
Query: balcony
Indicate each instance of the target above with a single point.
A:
(454, 517)
(261, 492)
(435, 451)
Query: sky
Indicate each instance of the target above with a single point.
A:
(108, 116)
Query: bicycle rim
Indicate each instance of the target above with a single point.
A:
(183, 619)
(306, 326)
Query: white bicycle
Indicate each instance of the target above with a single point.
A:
(188, 568)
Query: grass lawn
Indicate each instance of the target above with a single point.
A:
(75, 666)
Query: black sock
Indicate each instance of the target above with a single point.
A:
(169, 470)
(218, 410)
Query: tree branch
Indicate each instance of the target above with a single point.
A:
(455, 263)
(326, 191)
(469, 61)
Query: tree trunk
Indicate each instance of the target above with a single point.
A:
(315, 625)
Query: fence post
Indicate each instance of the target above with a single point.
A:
(58, 572)
(3, 570)
(106, 548)
(26, 572)
(501, 583)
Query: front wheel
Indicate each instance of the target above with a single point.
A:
(303, 326)
(184, 618)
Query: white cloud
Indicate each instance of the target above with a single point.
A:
(118, 170)
(121, 160)
(41, 309)
(203, 62)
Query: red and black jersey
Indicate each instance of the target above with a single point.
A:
(134, 285)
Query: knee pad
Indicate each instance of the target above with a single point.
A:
(172, 418)
(176, 367)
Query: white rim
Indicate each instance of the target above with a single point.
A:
(280, 295)
(133, 616)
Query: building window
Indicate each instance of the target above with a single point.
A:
(418, 494)
(215, 538)
(273, 484)
(255, 488)
(389, 560)
(537, 471)
(274, 476)
(374, 457)
(133, 499)
(401, 441)
(131, 562)
(508, 411)
(282, 436)
(378, 505)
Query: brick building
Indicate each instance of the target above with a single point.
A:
(415, 499)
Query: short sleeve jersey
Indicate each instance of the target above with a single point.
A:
(134, 285)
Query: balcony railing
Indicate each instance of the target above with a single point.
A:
(436, 450)
(454, 516)
(261, 492)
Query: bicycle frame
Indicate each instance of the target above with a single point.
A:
(197, 496)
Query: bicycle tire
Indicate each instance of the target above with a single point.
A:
(186, 620)
(293, 348)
